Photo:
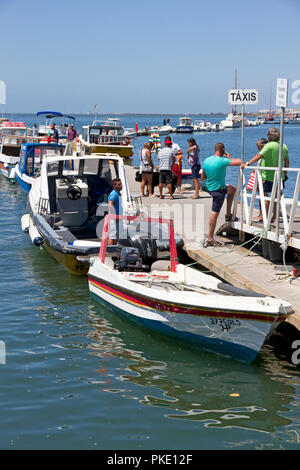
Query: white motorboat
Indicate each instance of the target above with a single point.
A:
(106, 137)
(202, 126)
(67, 203)
(231, 121)
(178, 300)
(12, 136)
(165, 130)
(185, 125)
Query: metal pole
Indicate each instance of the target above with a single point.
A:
(242, 234)
(279, 172)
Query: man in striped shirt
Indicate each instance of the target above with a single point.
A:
(166, 158)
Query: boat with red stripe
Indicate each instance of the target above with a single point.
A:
(136, 280)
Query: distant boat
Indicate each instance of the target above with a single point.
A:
(231, 121)
(185, 125)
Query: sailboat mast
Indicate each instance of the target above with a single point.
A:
(235, 87)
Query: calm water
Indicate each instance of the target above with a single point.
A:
(77, 376)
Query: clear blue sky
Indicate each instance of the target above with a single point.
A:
(165, 56)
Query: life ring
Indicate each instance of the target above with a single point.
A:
(125, 141)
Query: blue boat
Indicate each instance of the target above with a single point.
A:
(185, 125)
(31, 157)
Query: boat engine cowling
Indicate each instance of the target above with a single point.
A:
(147, 247)
(137, 254)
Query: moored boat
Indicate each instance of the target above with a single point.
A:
(67, 203)
(106, 137)
(61, 121)
(12, 136)
(185, 125)
(179, 300)
(31, 157)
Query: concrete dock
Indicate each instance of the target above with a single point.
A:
(238, 265)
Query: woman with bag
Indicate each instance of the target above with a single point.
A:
(194, 163)
(147, 169)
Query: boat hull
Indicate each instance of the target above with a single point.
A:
(238, 335)
(125, 151)
(69, 261)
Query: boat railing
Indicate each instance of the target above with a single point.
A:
(109, 139)
(286, 228)
(18, 140)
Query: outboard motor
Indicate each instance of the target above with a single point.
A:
(147, 247)
(138, 254)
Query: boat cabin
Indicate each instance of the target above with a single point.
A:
(104, 133)
(12, 136)
(32, 154)
(74, 191)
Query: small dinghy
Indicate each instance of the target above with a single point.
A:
(178, 300)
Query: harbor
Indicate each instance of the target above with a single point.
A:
(58, 299)
(150, 230)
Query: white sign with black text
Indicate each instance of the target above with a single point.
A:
(282, 92)
(242, 96)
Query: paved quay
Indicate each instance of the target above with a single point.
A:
(233, 262)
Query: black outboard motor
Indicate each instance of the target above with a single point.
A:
(138, 253)
(147, 247)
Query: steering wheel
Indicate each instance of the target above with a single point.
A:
(74, 192)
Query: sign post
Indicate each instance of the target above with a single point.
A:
(281, 101)
(242, 97)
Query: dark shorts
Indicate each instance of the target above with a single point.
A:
(195, 171)
(165, 176)
(218, 199)
(267, 186)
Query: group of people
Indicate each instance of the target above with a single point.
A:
(53, 135)
(170, 167)
(214, 172)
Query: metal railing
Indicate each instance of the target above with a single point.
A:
(281, 230)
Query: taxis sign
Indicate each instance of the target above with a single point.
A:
(242, 97)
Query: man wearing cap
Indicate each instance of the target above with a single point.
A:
(53, 134)
(72, 133)
(166, 159)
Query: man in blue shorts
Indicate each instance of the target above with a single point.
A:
(115, 207)
(214, 170)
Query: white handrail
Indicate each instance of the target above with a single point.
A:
(288, 207)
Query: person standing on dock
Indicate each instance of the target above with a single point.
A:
(214, 170)
(194, 163)
(115, 207)
(269, 157)
(147, 169)
(72, 133)
(166, 159)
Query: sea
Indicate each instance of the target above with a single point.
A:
(75, 375)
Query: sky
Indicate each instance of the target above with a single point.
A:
(145, 56)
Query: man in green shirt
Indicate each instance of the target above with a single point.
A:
(214, 170)
(269, 157)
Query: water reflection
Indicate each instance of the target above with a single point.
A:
(186, 384)
(194, 385)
